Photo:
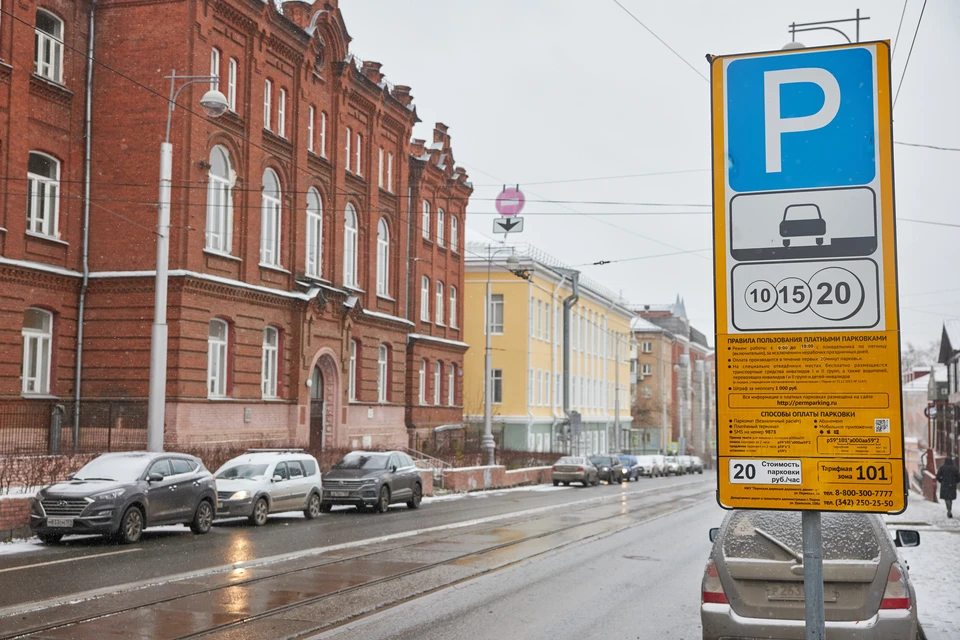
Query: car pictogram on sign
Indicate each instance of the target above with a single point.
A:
(804, 220)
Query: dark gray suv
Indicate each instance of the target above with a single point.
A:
(120, 494)
(372, 479)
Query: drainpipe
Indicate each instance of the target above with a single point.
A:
(530, 416)
(568, 303)
(553, 364)
(87, 132)
(406, 302)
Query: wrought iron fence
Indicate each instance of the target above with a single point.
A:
(41, 427)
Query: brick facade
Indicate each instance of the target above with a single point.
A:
(354, 155)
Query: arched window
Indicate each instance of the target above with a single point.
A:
(350, 246)
(451, 384)
(352, 382)
(423, 382)
(454, 233)
(37, 342)
(268, 379)
(440, 226)
(220, 201)
(314, 233)
(43, 194)
(453, 306)
(48, 56)
(438, 304)
(217, 359)
(270, 220)
(383, 258)
(437, 366)
(383, 373)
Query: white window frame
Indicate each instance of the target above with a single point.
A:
(352, 372)
(267, 104)
(349, 148)
(646, 346)
(282, 113)
(424, 299)
(37, 355)
(380, 168)
(440, 226)
(422, 390)
(539, 319)
(496, 386)
(383, 360)
(538, 390)
(437, 373)
(314, 235)
(271, 216)
(496, 313)
(232, 85)
(269, 362)
(215, 68)
(383, 258)
(358, 153)
(454, 234)
(350, 223)
(425, 221)
(219, 231)
(646, 369)
(530, 395)
(323, 134)
(217, 359)
(43, 200)
(438, 304)
(48, 50)
(451, 384)
(453, 307)
(389, 172)
(546, 322)
(311, 116)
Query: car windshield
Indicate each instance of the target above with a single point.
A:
(768, 534)
(604, 460)
(238, 471)
(363, 461)
(671, 459)
(114, 468)
(570, 461)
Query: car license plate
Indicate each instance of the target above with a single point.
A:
(793, 591)
(59, 522)
(219, 505)
(339, 494)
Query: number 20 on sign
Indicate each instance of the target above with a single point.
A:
(808, 400)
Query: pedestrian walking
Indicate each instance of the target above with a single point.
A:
(949, 477)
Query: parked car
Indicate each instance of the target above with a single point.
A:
(373, 479)
(261, 482)
(121, 494)
(672, 466)
(575, 469)
(630, 466)
(661, 461)
(697, 465)
(648, 466)
(610, 468)
(752, 586)
(687, 463)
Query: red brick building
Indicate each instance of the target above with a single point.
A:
(315, 251)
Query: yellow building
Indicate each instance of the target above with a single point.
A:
(526, 317)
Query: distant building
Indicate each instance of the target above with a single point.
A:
(526, 319)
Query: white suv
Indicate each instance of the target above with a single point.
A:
(264, 481)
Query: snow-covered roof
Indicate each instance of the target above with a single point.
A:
(952, 329)
(642, 324)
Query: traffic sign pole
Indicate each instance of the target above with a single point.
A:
(813, 575)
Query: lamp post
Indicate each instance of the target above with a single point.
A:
(487, 444)
(214, 105)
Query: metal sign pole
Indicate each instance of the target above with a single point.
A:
(813, 575)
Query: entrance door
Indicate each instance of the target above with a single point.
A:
(317, 410)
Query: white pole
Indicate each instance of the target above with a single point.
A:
(487, 444)
(158, 333)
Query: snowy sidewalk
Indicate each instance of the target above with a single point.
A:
(934, 565)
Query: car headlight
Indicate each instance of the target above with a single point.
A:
(240, 495)
(39, 496)
(367, 481)
(113, 494)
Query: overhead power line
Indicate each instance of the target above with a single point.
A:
(661, 40)
(896, 39)
(909, 54)
(618, 177)
(926, 146)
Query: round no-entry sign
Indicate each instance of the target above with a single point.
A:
(510, 202)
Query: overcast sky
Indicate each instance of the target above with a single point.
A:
(538, 91)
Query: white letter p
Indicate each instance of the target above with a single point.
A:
(774, 125)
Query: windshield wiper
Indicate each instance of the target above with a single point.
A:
(797, 556)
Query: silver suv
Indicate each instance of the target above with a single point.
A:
(264, 481)
(373, 479)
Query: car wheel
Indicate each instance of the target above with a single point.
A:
(556, 483)
(566, 484)
(260, 511)
(203, 518)
(383, 502)
(414, 502)
(586, 482)
(325, 507)
(131, 526)
(50, 538)
(596, 481)
(313, 507)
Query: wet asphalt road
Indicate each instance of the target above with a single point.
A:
(84, 564)
(643, 582)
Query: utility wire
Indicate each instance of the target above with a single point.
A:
(618, 177)
(926, 146)
(662, 41)
(659, 255)
(909, 54)
(899, 26)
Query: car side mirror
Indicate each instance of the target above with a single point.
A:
(278, 478)
(907, 538)
(393, 468)
(714, 533)
(155, 477)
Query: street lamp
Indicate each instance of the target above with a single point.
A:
(487, 444)
(214, 105)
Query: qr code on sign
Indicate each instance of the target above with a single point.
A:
(881, 425)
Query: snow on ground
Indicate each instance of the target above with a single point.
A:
(20, 546)
(934, 565)
(445, 497)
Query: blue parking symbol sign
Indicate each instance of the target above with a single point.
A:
(801, 120)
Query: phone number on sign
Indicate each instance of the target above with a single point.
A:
(864, 493)
(859, 502)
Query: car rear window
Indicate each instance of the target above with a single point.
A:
(310, 466)
(296, 471)
(846, 536)
(182, 466)
(569, 461)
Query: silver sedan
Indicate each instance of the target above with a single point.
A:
(575, 469)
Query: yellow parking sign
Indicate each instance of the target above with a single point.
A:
(807, 329)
